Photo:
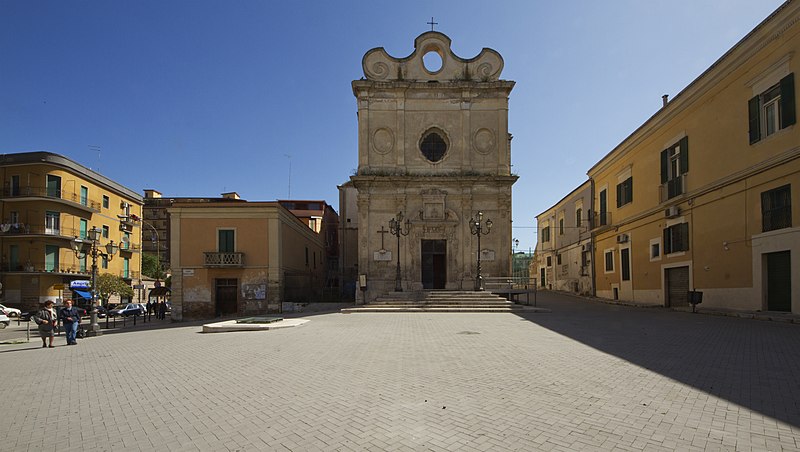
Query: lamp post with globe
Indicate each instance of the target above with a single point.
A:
(90, 246)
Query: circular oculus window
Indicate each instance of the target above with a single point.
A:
(433, 146)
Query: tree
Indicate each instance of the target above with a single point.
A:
(108, 285)
(151, 266)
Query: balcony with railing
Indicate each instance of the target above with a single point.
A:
(223, 259)
(602, 220)
(22, 229)
(672, 188)
(71, 198)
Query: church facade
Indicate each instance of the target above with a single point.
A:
(434, 152)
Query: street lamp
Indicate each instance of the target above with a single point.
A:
(155, 239)
(396, 228)
(90, 247)
(476, 227)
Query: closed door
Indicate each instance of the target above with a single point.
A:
(779, 282)
(226, 296)
(677, 286)
(434, 264)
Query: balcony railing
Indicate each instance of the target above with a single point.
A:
(223, 259)
(9, 229)
(672, 188)
(130, 274)
(43, 192)
(602, 219)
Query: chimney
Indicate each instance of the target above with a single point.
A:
(665, 99)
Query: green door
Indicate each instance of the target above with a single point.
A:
(50, 258)
(13, 257)
(779, 281)
(53, 186)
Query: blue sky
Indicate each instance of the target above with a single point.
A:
(195, 98)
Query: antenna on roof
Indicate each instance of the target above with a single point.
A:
(96, 148)
(289, 196)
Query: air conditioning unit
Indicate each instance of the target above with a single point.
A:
(622, 238)
(586, 247)
(672, 211)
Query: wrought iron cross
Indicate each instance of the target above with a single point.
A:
(382, 232)
(432, 23)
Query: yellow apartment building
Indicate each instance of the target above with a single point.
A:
(242, 258)
(699, 197)
(47, 201)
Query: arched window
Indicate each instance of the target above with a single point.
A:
(433, 146)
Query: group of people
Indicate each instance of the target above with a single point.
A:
(159, 308)
(48, 319)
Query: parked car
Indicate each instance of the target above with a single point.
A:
(127, 309)
(4, 321)
(11, 312)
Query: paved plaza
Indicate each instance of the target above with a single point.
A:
(587, 376)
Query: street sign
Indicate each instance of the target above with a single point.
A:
(138, 286)
(80, 284)
(59, 287)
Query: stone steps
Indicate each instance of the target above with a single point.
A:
(438, 301)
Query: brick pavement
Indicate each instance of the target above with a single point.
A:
(587, 376)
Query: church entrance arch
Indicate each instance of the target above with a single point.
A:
(434, 264)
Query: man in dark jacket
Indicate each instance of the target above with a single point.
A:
(70, 318)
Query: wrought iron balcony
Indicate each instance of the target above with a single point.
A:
(672, 188)
(14, 229)
(10, 193)
(223, 259)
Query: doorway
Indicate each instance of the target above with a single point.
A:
(677, 285)
(779, 281)
(226, 296)
(434, 264)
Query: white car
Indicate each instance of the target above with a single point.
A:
(4, 321)
(11, 312)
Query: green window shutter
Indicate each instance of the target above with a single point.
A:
(684, 232)
(753, 107)
(664, 164)
(788, 110)
(684, 155)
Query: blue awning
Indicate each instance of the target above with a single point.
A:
(83, 294)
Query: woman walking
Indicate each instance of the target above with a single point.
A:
(47, 320)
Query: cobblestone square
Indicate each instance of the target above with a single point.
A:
(587, 376)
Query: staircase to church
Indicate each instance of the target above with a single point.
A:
(438, 301)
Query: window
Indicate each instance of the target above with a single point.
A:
(558, 259)
(776, 208)
(52, 223)
(560, 226)
(53, 186)
(609, 255)
(126, 268)
(50, 258)
(772, 110)
(625, 263)
(13, 257)
(549, 261)
(82, 264)
(655, 250)
(546, 234)
(105, 231)
(14, 217)
(604, 220)
(578, 214)
(15, 185)
(674, 165)
(433, 146)
(625, 192)
(676, 238)
(226, 241)
(105, 202)
(84, 195)
(103, 262)
(83, 228)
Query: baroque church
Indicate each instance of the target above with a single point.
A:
(434, 159)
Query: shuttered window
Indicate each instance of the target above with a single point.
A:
(772, 110)
(776, 208)
(676, 238)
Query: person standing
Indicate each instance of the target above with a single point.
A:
(46, 319)
(70, 318)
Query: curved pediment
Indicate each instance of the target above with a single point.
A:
(380, 66)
